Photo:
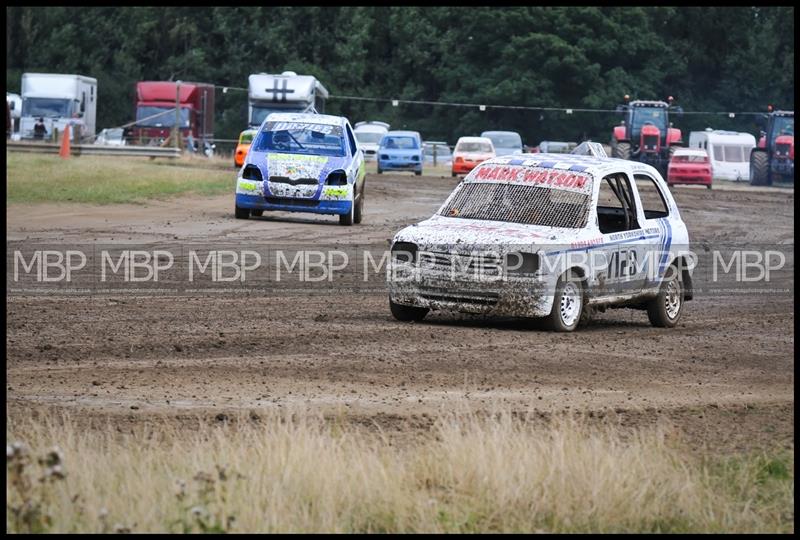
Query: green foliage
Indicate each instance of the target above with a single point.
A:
(709, 58)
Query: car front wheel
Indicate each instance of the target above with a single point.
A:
(242, 213)
(568, 304)
(407, 313)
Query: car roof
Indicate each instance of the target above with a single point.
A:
(571, 162)
(404, 133)
(311, 118)
(690, 152)
(474, 139)
(484, 134)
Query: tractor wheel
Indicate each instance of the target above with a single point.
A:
(621, 150)
(759, 169)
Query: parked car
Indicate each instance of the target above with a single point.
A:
(557, 147)
(444, 157)
(400, 151)
(689, 166)
(547, 236)
(505, 142)
(469, 152)
(368, 137)
(243, 146)
(303, 162)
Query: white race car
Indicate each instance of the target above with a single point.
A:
(547, 235)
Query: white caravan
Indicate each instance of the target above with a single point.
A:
(59, 100)
(284, 93)
(728, 152)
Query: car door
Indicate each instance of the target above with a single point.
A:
(657, 227)
(623, 248)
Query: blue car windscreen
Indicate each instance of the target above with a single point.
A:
(301, 138)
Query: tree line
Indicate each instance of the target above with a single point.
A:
(708, 58)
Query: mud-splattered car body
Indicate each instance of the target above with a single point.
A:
(303, 163)
(516, 225)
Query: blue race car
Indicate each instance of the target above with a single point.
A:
(303, 163)
(400, 151)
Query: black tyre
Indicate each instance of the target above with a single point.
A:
(348, 218)
(256, 213)
(418, 173)
(359, 211)
(407, 313)
(454, 175)
(242, 213)
(380, 171)
(664, 311)
(568, 304)
(708, 186)
(621, 150)
(759, 168)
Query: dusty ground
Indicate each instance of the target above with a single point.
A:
(725, 375)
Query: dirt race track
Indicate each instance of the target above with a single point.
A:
(725, 374)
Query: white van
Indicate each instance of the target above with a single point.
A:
(728, 152)
(368, 135)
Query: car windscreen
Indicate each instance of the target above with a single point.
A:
(484, 148)
(399, 143)
(505, 140)
(160, 116)
(368, 137)
(441, 150)
(537, 200)
(301, 138)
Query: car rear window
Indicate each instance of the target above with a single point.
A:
(690, 159)
(518, 203)
(474, 147)
(400, 143)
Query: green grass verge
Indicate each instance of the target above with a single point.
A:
(39, 178)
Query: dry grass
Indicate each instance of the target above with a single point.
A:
(289, 473)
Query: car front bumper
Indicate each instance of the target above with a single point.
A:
(399, 165)
(337, 200)
(512, 296)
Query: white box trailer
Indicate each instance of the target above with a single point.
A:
(287, 92)
(728, 152)
(59, 100)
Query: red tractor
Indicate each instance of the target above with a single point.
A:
(646, 134)
(773, 158)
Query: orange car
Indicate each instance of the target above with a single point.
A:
(470, 152)
(245, 139)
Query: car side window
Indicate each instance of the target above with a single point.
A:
(654, 205)
(351, 140)
(616, 210)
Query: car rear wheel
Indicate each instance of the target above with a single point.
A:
(407, 313)
(242, 213)
(380, 171)
(256, 213)
(568, 304)
(664, 311)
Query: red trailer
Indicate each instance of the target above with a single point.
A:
(155, 110)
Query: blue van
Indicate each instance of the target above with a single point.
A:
(400, 151)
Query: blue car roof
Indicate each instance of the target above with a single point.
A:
(403, 134)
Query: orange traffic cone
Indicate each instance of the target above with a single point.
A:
(65, 151)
